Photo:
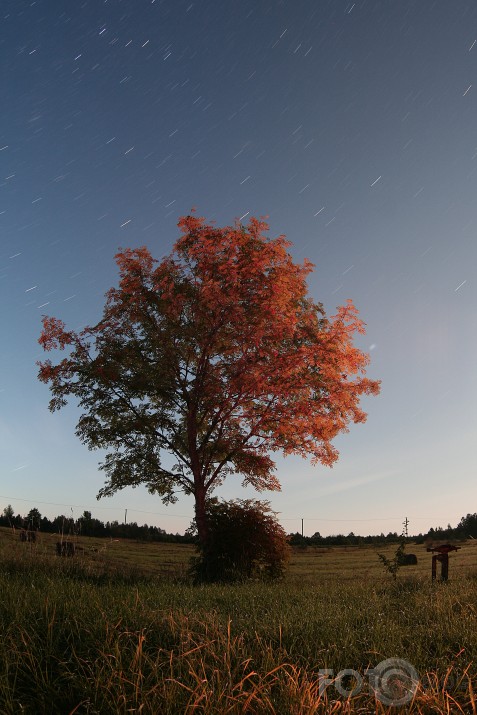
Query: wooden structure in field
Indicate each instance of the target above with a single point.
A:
(441, 554)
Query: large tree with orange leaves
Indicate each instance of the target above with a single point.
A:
(215, 355)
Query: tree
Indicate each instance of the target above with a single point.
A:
(244, 540)
(88, 526)
(468, 525)
(33, 519)
(296, 539)
(215, 355)
(9, 514)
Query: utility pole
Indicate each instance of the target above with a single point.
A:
(125, 516)
(302, 527)
(405, 525)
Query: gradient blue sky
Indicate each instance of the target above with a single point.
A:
(353, 126)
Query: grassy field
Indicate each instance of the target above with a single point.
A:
(119, 629)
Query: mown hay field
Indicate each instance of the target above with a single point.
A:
(119, 628)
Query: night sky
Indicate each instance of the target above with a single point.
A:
(352, 126)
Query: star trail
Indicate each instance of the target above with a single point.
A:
(351, 126)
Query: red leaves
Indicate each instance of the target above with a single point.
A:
(47, 371)
(54, 335)
(133, 261)
(219, 351)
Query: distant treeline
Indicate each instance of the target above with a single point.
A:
(86, 525)
(465, 529)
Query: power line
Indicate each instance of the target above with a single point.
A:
(90, 508)
(189, 516)
(347, 521)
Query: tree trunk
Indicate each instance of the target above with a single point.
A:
(199, 486)
(200, 515)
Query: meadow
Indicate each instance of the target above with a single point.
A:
(119, 628)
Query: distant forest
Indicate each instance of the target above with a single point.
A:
(86, 525)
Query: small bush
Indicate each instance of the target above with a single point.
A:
(244, 541)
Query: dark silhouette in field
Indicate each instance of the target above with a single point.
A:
(27, 536)
(65, 548)
(408, 560)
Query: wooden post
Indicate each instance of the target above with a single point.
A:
(441, 554)
(444, 558)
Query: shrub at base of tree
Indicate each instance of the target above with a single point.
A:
(244, 541)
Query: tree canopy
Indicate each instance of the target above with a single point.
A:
(215, 355)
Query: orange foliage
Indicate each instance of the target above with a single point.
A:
(216, 354)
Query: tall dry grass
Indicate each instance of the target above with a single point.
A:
(82, 637)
